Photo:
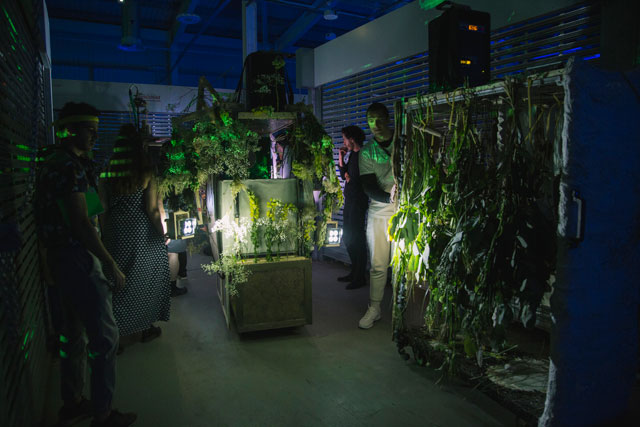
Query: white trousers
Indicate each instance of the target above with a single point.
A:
(379, 254)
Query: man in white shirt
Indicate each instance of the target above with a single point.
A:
(377, 179)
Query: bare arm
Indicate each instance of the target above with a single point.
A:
(102, 192)
(87, 235)
(163, 215)
(341, 165)
(151, 206)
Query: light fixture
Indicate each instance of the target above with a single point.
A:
(188, 227)
(330, 14)
(330, 36)
(334, 234)
(188, 18)
(181, 225)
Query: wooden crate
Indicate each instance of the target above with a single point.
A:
(277, 295)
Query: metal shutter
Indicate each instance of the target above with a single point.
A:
(24, 126)
(537, 44)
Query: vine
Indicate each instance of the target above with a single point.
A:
(476, 219)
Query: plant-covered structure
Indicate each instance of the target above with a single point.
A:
(215, 145)
(476, 219)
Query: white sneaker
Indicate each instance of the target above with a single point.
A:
(372, 315)
(182, 282)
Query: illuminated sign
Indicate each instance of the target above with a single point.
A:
(334, 234)
(188, 227)
(472, 28)
(465, 62)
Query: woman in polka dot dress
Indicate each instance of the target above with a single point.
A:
(132, 232)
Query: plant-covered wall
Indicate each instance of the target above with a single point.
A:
(476, 219)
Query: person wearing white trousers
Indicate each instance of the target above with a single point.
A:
(377, 179)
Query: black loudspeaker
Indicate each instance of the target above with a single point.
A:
(265, 80)
(459, 47)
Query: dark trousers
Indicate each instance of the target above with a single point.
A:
(84, 305)
(182, 260)
(355, 237)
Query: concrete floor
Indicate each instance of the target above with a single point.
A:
(327, 374)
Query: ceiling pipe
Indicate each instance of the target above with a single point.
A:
(203, 28)
(318, 10)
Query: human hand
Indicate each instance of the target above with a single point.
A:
(347, 177)
(118, 276)
(343, 150)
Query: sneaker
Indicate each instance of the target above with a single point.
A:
(176, 291)
(182, 282)
(151, 333)
(347, 278)
(356, 285)
(116, 419)
(74, 413)
(372, 315)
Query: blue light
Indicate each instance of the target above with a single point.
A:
(587, 58)
(545, 56)
(572, 50)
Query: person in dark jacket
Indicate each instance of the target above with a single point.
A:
(356, 203)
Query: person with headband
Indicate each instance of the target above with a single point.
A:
(66, 206)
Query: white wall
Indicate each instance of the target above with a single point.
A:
(403, 33)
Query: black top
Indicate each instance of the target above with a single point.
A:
(353, 191)
(60, 174)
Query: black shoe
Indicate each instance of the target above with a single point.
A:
(116, 419)
(74, 413)
(347, 278)
(150, 334)
(356, 285)
(176, 291)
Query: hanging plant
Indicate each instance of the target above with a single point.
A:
(476, 220)
(312, 162)
(270, 83)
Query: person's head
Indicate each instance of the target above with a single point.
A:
(353, 137)
(378, 119)
(77, 126)
(129, 166)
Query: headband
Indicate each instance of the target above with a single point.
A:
(76, 119)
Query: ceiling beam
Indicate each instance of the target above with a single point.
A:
(178, 28)
(302, 25)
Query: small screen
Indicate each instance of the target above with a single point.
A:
(188, 227)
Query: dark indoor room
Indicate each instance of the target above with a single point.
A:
(319, 213)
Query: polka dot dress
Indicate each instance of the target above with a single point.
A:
(141, 254)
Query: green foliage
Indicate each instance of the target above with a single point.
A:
(222, 147)
(277, 226)
(230, 267)
(476, 219)
(312, 154)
